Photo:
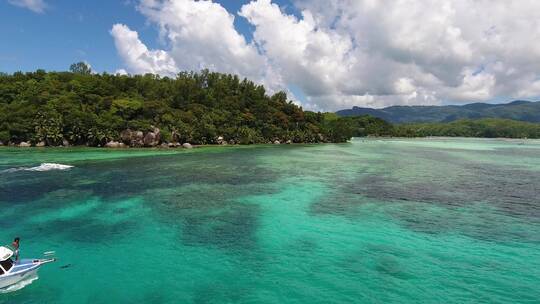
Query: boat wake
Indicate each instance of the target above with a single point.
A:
(41, 168)
(20, 285)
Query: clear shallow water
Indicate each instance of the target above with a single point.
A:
(379, 221)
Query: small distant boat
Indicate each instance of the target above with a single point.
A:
(12, 272)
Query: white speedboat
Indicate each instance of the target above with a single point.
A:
(13, 272)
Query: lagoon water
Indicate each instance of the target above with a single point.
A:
(372, 221)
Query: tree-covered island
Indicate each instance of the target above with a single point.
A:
(83, 108)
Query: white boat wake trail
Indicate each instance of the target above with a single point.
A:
(41, 168)
(19, 285)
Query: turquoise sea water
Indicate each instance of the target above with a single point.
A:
(372, 221)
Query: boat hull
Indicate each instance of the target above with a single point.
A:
(21, 271)
(9, 280)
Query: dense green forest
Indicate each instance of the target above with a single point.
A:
(488, 127)
(367, 125)
(82, 108)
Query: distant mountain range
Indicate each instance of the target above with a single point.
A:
(516, 110)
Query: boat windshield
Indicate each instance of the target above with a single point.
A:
(6, 265)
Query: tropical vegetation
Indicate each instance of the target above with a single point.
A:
(80, 107)
(489, 128)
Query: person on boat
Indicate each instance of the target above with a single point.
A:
(15, 246)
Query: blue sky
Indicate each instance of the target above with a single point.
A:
(326, 54)
(70, 31)
(67, 32)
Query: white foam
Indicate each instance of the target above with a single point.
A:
(49, 167)
(41, 168)
(20, 285)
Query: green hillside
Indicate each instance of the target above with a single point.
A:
(516, 110)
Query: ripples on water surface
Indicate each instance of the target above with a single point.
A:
(374, 221)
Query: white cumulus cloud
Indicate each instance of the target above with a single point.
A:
(138, 57)
(341, 53)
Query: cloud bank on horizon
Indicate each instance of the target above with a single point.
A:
(342, 53)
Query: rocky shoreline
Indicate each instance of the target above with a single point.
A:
(134, 139)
